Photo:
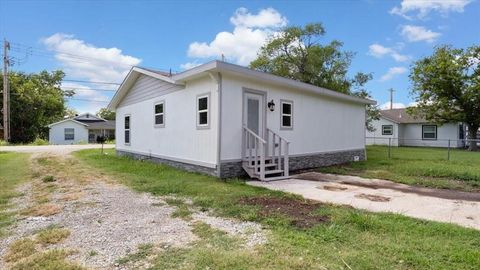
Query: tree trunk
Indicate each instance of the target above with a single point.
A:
(472, 136)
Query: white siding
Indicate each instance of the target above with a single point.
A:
(145, 88)
(376, 137)
(179, 140)
(412, 135)
(319, 124)
(57, 133)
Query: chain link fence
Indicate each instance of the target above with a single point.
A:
(440, 148)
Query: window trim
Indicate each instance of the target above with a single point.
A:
(155, 114)
(197, 111)
(284, 101)
(65, 134)
(129, 129)
(429, 139)
(383, 130)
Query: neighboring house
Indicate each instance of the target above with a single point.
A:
(84, 128)
(223, 119)
(404, 129)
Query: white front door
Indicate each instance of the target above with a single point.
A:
(254, 112)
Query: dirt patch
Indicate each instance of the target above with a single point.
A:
(302, 213)
(373, 198)
(43, 210)
(333, 188)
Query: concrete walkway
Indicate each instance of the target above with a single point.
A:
(52, 149)
(384, 196)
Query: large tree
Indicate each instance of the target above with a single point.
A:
(296, 53)
(36, 100)
(446, 87)
(106, 114)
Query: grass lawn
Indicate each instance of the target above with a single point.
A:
(348, 238)
(13, 170)
(421, 166)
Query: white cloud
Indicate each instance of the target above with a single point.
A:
(242, 44)
(86, 98)
(386, 105)
(415, 33)
(379, 51)
(423, 7)
(86, 61)
(266, 18)
(190, 65)
(392, 72)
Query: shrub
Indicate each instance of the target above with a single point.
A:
(39, 141)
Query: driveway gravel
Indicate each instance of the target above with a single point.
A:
(108, 219)
(52, 149)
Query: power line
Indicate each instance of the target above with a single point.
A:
(50, 53)
(87, 89)
(81, 81)
(88, 100)
(77, 58)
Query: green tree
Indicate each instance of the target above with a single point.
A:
(446, 87)
(36, 100)
(106, 114)
(296, 53)
(358, 85)
(70, 113)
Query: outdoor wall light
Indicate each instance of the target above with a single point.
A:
(271, 105)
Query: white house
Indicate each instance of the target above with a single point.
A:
(83, 128)
(223, 119)
(399, 128)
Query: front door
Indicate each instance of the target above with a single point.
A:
(254, 112)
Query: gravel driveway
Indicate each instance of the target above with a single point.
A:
(107, 221)
(52, 149)
(376, 195)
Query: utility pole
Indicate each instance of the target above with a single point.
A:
(391, 97)
(6, 94)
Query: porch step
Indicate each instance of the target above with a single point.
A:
(276, 178)
(268, 165)
(273, 172)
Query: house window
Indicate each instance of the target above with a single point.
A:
(286, 114)
(160, 114)
(203, 104)
(429, 132)
(69, 134)
(127, 129)
(387, 129)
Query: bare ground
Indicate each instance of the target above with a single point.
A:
(107, 221)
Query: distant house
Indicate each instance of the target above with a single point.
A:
(84, 128)
(227, 120)
(404, 129)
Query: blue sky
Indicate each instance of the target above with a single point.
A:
(101, 40)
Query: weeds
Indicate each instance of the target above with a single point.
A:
(52, 236)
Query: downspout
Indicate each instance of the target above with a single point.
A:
(217, 78)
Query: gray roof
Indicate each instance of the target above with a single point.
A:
(109, 124)
(402, 116)
(163, 73)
